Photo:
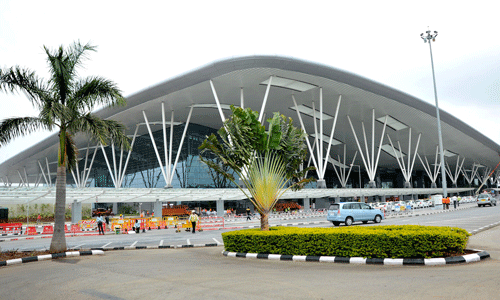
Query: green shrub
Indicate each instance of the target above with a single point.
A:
(407, 241)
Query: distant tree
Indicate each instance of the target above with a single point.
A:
(66, 102)
(267, 162)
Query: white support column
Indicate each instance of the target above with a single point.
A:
(86, 178)
(74, 178)
(26, 176)
(316, 138)
(22, 180)
(406, 169)
(114, 162)
(165, 143)
(48, 170)
(321, 133)
(180, 145)
(331, 134)
(109, 167)
(242, 99)
(128, 156)
(169, 170)
(223, 118)
(43, 173)
(370, 164)
(154, 146)
(264, 102)
(311, 151)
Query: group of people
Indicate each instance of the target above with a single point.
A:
(447, 200)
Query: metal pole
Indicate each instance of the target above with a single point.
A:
(441, 150)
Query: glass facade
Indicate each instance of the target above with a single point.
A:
(143, 170)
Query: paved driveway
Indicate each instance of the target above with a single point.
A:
(204, 273)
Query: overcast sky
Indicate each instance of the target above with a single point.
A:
(143, 43)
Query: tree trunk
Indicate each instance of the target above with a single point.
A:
(264, 221)
(58, 243)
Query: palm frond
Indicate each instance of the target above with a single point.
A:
(62, 66)
(14, 127)
(104, 131)
(17, 79)
(94, 91)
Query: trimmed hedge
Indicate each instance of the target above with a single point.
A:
(406, 241)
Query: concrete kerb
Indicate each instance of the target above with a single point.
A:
(468, 258)
(49, 256)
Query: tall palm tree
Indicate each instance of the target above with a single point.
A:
(65, 102)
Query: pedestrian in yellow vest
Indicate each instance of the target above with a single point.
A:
(193, 218)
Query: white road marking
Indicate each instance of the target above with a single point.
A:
(79, 245)
(218, 243)
(161, 243)
(133, 244)
(188, 242)
(106, 244)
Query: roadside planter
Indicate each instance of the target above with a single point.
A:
(407, 241)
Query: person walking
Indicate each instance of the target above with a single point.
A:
(100, 220)
(248, 214)
(193, 218)
(38, 219)
(454, 199)
(106, 218)
(137, 226)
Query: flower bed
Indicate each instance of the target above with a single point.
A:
(406, 241)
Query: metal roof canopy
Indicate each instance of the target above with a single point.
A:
(232, 76)
(9, 196)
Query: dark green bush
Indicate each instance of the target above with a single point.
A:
(407, 241)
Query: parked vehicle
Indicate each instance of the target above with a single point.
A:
(486, 199)
(350, 212)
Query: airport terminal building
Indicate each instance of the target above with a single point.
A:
(364, 139)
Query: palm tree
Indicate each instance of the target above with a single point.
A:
(64, 102)
(267, 162)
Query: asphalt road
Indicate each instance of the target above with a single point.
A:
(204, 273)
(470, 217)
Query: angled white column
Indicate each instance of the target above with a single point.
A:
(87, 170)
(242, 99)
(109, 167)
(427, 168)
(341, 172)
(370, 163)
(122, 175)
(311, 151)
(26, 177)
(180, 145)
(319, 157)
(264, 102)
(43, 173)
(221, 113)
(22, 180)
(458, 167)
(48, 170)
(154, 146)
(406, 167)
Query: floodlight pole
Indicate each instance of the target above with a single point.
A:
(429, 38)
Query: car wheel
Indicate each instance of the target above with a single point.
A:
(348, 221)
(336, 223)
(378, 219)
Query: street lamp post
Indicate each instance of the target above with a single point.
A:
(431, 37)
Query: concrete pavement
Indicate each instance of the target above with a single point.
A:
(204, 273)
